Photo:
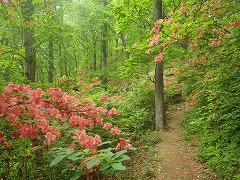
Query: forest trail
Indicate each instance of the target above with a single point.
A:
(176, 156)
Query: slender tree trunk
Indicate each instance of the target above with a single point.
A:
(116, 45)
(75, 57)
(94, 53)
(51, 64)
(159, 85)
(61, 59)
(30, 51)
(104, 49)
(124, 45)
(65, 64)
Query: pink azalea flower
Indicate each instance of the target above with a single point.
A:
(50, 137)
(123, 144)
(112, 112)
(107, 126)
(159, 58)
(104, 97)
(8, 143)
(115, 131)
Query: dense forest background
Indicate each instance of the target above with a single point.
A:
(105, 56)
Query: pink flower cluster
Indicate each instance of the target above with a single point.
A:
(123, 144)
(159, 57)
(88, 142)
(154, 41)
(107, 126)
(104, 97)
(115, 131)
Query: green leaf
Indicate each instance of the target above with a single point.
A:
(103, 166)
(75, 177)
(107, 153)
(57, 160)
(120, 153)
(118, 166)
(122, 158)
(107, 142)
(93, 161)
(76, 156)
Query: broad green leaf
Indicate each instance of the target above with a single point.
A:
(93, 161)
(122, 158)
(103, 166)
(107, 142)
(75, 177)
(120, 153)
(75, 157)
(118, 166)
(57, 160)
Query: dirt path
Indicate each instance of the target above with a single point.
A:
(176, 156)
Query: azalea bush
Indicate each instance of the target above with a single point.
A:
(40, 126)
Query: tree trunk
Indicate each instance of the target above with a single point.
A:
(159, 85)
(30, 51)
(104, 49)
(94, 53)
(124, 45)
(51, 64)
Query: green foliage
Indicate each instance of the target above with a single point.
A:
(138, 108)
(107, 159)
(211, 83)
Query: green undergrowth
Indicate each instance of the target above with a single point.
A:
(142, 165)
(217, 134)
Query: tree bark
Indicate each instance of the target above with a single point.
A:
(104, 49)
(94, 53)
(30, 51)
(159, 85)
(51, 64)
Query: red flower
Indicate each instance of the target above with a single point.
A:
(107, 126)
(112, 112)
(155, 40)
(115, 131)
(50, 137)
(30, 22)
(169, 20)
(8, 143)
(88, 142)
(16, 134)
(78, 121)
(104, 97)
(27, 130)
(235, 23)
(123, 144)
(159, 58)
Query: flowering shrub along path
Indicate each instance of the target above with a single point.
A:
(45, 117)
